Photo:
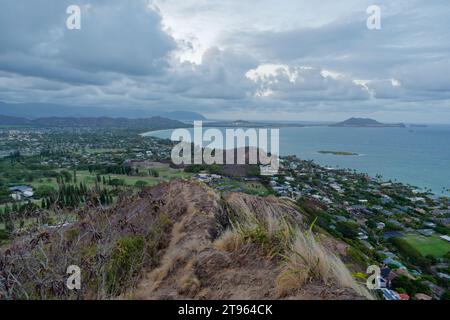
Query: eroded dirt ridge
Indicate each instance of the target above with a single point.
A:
(181, 240)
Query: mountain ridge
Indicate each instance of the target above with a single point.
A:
(44, 110)
(182, 240)
(153, 123)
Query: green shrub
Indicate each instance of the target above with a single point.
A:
(45, 191)
(348, 228)
(410, 286)
(132, 253)
(126, 260)
(140, 183)
(4, 235)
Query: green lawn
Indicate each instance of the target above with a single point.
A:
(165, 174)
(46, 181)
(255, 188)
(250, 187)
(428, 245)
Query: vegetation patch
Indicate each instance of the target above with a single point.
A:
(126, 260)
(302, 257)
(433, 245)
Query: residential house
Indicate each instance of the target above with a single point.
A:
(426, 232)
(20, 192)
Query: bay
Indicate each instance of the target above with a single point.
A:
(419, 156)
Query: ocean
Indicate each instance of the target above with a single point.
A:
(419, 156)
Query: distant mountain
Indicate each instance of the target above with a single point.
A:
(366, 122)
(153, 123)
(6, 121)
(41, 110)
(183, 115)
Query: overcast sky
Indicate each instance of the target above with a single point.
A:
(265, 59)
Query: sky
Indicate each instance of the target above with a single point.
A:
(232, 59)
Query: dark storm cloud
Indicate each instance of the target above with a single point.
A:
(115, 37)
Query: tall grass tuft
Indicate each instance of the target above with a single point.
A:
(307, 260)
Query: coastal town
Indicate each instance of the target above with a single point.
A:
(402, 229)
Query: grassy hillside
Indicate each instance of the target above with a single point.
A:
(180, 240)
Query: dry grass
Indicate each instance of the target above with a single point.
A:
(189, 284)
(229, 241)
(305, 258)
(175, 257)
(308, 260)
(270, 233)
(177, 232)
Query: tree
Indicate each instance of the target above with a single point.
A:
(4, 194)
(348, 228)
(9, 225)
(66, 176)
(117, 182)
(45, 191)
(153, 173)
(410, 286)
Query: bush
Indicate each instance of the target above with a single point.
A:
(126, 260)
(45, 191)
(141, 183)
(194, 168)
(348, 228)
(133, 253)
(4, 235)
(117, 182)
(410, 286)
(153, 173)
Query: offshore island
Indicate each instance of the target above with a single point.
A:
(339, 153)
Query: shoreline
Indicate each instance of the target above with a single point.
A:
(437, 190)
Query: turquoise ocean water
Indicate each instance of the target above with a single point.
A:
(419, 156)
